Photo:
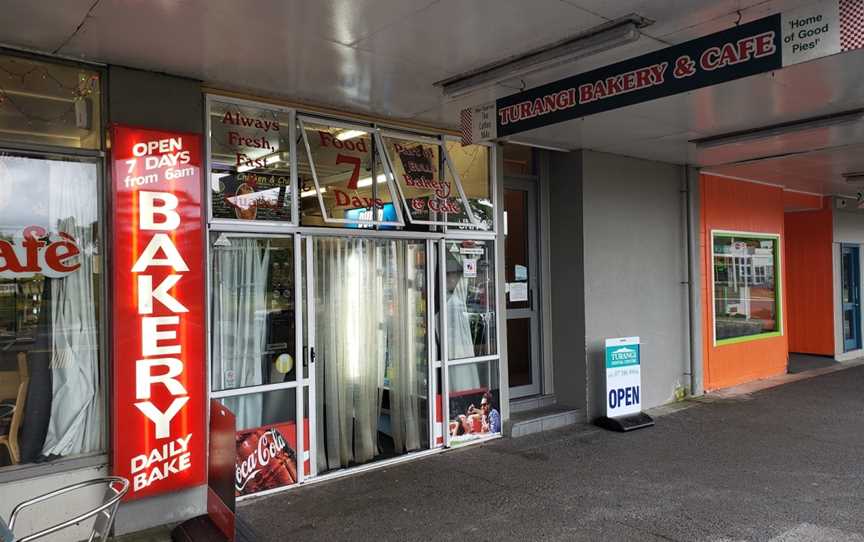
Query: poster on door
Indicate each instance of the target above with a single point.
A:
(474, 414)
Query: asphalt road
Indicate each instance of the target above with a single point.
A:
(784, 464)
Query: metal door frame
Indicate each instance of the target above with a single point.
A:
(534, 312)
(855, 287)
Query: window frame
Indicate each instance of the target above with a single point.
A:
(10, 144)
(778, 285)
(474, 224)
(230, 223)
(492, 151)
(27, 471)
(375, 136)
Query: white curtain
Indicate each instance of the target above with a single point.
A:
(347, 375)
(238, 324)
(460, 344)
(366, 320)
(402, 346)
(75, 425)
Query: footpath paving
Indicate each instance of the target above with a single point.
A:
(781, 464)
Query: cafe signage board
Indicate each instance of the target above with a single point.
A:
(770, 43)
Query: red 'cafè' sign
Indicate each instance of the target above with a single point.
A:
(36, 252)
(158, 325)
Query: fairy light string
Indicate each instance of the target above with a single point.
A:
(85, 86)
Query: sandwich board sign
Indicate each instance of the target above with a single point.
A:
(624, 386)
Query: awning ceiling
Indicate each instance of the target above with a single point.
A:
(382, 56)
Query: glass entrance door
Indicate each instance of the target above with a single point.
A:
(851, 297)
(367, 349)
(521, 275)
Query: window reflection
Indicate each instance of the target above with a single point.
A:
(470, 304)
(253, 312)
(471, 162)
(352, 185)
(251, 162)
(50, 280)
(745, 291)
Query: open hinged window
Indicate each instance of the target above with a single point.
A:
(428, 183)
(343, 166)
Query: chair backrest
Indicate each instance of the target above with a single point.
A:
(115, 488)
(23, 370)
(18, 415)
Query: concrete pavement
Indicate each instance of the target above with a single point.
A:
(784, 464)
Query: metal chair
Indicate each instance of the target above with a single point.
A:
(116, 488)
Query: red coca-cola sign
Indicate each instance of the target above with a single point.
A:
(159, 430)
(265, 460)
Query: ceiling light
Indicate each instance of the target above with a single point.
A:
(595, 40)
(785, 128)
(345, 135)
(367, 181)
(307, 193)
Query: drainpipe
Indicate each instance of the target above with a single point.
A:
(691, 208)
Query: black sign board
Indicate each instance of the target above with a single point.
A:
(738, 52)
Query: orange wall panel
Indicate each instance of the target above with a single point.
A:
(810, 281)
(799, 201)
(733, 205)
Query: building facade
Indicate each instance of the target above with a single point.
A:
(361, 289)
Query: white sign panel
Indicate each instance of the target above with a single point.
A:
(623, 377)
(811, 32)
(478, 123)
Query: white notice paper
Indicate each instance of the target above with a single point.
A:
(521, 272)
(469, 267)
(518, 291)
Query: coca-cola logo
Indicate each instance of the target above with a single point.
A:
(36, 252)
(270, 445)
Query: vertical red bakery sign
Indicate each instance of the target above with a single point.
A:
(158, 308)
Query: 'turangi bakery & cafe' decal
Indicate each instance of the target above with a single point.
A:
(811, 32)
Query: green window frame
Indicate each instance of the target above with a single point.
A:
(778, 284)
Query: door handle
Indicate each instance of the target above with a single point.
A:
(308, 356)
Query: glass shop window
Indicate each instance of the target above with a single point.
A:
(746, 289)
(344, 178)
(51, 400)
(471, 163)
(470, 299)
(253, 338)
(431, 192)
(49, 104)
(250, 161)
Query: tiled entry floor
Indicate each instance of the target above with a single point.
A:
(798, 363)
